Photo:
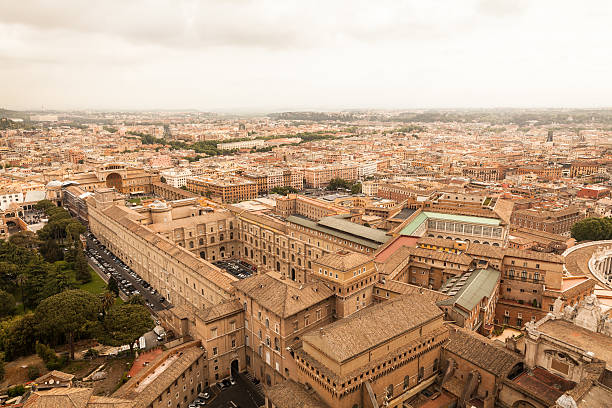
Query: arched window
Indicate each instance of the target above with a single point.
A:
(231, 224)
(190, 244)
(278, 266)
(406, 382)
(221, 237)
(299, 261)
(201, 242)
(309, 265)
(264, 259)
(246, 251)
(231, 235)
(276, 344)
(212, 240)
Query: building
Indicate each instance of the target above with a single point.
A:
(483, 173)
(320, 176)
(245, 144)
(176, 178)
(399, 356)
(556, 221)
(278, 312)
(229, 189)
(593, 192)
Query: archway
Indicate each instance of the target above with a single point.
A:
(292, 274)
(115, 181)
(234, 368)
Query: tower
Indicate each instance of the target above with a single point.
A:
(549, 139)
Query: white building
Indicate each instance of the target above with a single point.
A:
(367, 169)
(7, 197)
(247, 144)
(176, 178)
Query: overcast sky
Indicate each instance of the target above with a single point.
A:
(307, 54)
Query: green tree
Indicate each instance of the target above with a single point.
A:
(7, 304)
(25, 239)
(126, 323)
(592, 229)
(107, 300)
(81, 268)
(67, 313)
(51, 251)
(136, 300)
(18, 336)
(113, 286)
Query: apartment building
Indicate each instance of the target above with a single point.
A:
(176, 178)
(230, 189)
(245, 144)
(556, 221)
(320, 176)
(583, 168)
(546, 172)
(295, 204)
(483, 173)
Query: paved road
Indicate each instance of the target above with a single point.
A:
(153, 299)
(240, 394)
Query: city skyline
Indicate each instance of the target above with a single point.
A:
(261, 57)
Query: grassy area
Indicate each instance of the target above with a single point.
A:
(97, 286)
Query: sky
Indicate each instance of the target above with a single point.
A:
(240, 55)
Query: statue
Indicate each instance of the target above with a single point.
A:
(558, 308)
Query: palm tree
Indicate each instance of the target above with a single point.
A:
(108, 300)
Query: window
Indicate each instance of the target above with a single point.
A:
(213, 332)
(215, 351)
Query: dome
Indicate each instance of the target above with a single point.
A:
(54, 184)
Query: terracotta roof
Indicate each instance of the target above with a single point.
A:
(408, 289)
(60, 397)
(343, 260)
(108, 402)
(290, 394)
(372, 326)
(218, 311)
(282, 297)
(441, 256)
(57, 374)
(147, 385)
(480, 351)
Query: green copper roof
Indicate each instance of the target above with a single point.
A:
(425, 215)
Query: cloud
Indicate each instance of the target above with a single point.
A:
(238, 53)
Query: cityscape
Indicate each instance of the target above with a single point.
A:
(285, 241)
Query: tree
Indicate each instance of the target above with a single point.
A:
(18, 336)
(67, 313)
(592, 229)
(136, 300)
(25, 239)
(126, 323)
(51, 251)
(81, 268)
(7, 304)
(113, 286)
(107, 300)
